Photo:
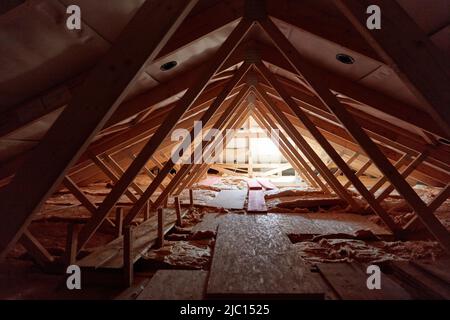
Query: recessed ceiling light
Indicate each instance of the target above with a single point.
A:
(345, 58)
(168, 65)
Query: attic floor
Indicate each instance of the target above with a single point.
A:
(319, 236)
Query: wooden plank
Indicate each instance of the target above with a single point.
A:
(253, 184)
(229, 199)
(422, 68)
(350, 283)
(253, 259)
(426, 284)
(80, 121)
(266, 184)
(438, 268)
(110, 256)
(373, 152)
(256, 202)
(175, 285)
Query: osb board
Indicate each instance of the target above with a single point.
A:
(210, 221)
(253, 259)
(175, 285)
(350, 283)
(229, 199)
(144, 236)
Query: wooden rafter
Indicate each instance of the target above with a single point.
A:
(86, 114)
(370, 148)
(164, 130)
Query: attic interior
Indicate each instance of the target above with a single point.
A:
(331, 152)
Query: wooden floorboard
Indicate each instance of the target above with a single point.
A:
(175, 285)
(349, 281)
(439, 268)
(111, 255)
(253, 258)
(229, 199)
(256, 202)
(426, 284)
(253, 184)
(266, 184)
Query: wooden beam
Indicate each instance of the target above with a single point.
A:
(360, 172)
(370, 148)
(79, 194)
(205, 119)
(36, 250)
(160, 240)
(383, 179)
(409, 52)
(237, 122)
(119, 221)
(163, 131)
(86, 114)
(178, 212)
(70, 254)
(128, 256)
(358, 92)
(313, 179)
(120, 172)
(304, 146)
(349, 162)
(114, 178)
(405, 173)
(432, 206)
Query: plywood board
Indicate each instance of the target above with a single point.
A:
(175, 285)
(253, 258)
(350, 283)
(229, 199)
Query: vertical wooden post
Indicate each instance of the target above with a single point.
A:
(166, 202)
(178, 212)
(119, 221)
(160, 240)
(128, 255)
(191, 198)
(71, 244)
(147, 211)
